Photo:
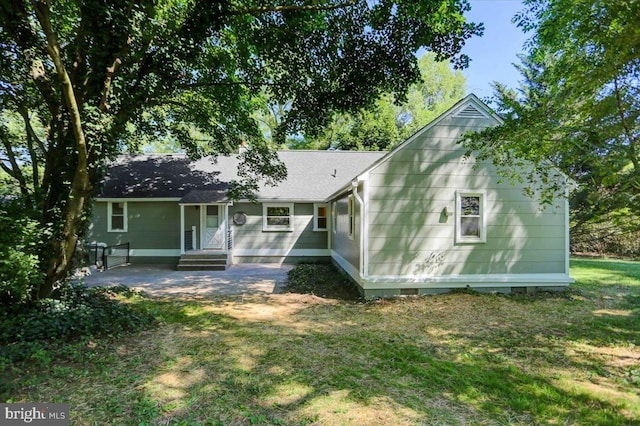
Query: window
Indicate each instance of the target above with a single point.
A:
(319, 217)
(277, 217)
(334, 218)
(212, 217)
(117, 217)
(352, 219)
(470, 222)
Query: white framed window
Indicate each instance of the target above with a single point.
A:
(470, 217)
(117, 216)
(351, 216)
(334, 217)
(277, 217)
(320, 217)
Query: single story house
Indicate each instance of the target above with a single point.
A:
(418, 219)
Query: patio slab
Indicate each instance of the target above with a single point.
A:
(164, 280)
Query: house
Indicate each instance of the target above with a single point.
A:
(419, 219)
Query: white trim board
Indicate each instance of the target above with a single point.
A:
(471, 280)
(281, 252)
(154, 253)
(137, 200)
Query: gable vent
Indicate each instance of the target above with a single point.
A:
(470, 111)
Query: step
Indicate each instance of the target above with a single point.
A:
(203, 256)
(201, 267)
(217, 261)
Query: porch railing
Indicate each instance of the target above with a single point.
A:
(106, 257)
(229, 239)
(117, 255)
(188, 240)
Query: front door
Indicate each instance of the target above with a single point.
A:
(213, 227)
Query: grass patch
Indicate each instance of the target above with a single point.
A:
(298, 359)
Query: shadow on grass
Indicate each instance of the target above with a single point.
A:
(325, 364)
(291, 359)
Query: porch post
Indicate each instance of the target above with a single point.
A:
(181, 228)
(193, 237)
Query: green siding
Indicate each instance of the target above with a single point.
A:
(251, 236)
(347, 248)
(411, 214)
(151, 225)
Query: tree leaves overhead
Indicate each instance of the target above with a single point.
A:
(578, 107)
(389, 121)
(188, 70)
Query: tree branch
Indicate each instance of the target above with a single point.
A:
(13, 171)
(290, 8)
(107, 83)
(31, 138)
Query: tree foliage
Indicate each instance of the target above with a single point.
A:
(577, 111)
(88, 77)
(387, 122)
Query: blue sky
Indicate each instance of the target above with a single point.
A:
(493, 54)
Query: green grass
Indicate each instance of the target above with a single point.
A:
(297, 359)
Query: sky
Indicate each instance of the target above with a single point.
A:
(493, 54)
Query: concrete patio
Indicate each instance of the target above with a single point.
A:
(164, 280)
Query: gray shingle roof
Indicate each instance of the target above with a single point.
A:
(311, 175)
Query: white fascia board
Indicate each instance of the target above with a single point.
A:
(137, 200)
(220, 203)
(342, 191)
(287, 200)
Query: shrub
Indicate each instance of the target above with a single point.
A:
(73, 313)
(321, 280)
(608, 238)
(19, 265)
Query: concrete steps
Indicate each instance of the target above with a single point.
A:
(203, 261)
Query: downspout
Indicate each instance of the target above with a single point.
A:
(354, 190)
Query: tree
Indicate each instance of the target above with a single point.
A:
(386, 123)
(577, 109)
(96, 74)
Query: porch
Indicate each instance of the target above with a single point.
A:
(205, 237)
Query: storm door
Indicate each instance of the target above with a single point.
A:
(213, 237)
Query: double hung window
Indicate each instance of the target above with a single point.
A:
(117, 217)
(470, 220)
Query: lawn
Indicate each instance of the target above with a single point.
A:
(300, 359)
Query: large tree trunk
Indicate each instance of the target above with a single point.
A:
(64, 244)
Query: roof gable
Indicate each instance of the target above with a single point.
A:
(470, 107)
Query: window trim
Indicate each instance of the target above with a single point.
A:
(462, 239)
(316, 216)
(125, 221)
(351, 217)
(274, 228)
